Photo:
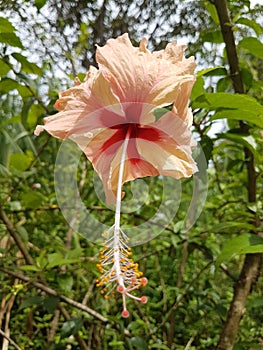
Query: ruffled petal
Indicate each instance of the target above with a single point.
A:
(167, 157)
(136, 75)
(84, 107)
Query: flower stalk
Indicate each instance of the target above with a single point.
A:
(116, 265)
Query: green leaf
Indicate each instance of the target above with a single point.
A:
(247, 77)
(243, 244)
(232, 106)
(4, 172)
(248, 116)
(213, 37)
(139, 343)
(232, 225)
(26, 66)
(34, 300)
(7, 85)
(34, 113)
(50, 304)
(212, 10)
(207, 146)
(71, 327)
(29, 268)
(256, 302)
(40, 3)
(245, 140)
(6, 26)
(251, 24)
(223, 84)
(20, 161)
(198, 88)
(56, 259)
(65, 282)
(253, 45)
(212, 71)
(4, 68)
(11, 39)
(32, 199)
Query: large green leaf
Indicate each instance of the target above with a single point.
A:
(251, 24)
(198, 88)
(31, 301)
(32, 199)
(71, 327)
(245, 140)
(6, 26)
(212, 10)
(4, 68)
(20, 161)
(232, 106)
(214, 36)
(7, 85)
(11, 39)
(243, 244)
(212, 71)
(26, 66)
(253, 45)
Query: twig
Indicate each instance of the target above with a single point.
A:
(3, 334)
(189, 343)
(54, 293)
(11, 229)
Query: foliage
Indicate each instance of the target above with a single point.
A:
(48, 271)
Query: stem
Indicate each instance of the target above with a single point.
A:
(116, 245)
(252, 263)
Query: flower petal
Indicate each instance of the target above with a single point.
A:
(136, 75)
(169, 161)
(84, 107)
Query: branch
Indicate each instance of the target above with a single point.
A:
(52, 292)
(9, 340)
(252, 263)
(11, 229)
(228, 36)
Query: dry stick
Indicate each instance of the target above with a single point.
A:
(11, 229)
(10, 340)
(54, 293)
(251, 266)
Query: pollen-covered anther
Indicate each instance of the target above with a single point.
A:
(144, 281)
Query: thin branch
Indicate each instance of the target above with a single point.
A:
(3, 334)
(228, 36)
(54, 293)
(11, 229)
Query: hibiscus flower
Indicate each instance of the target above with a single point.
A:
(117, 117)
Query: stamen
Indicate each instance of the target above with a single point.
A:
(115, 264)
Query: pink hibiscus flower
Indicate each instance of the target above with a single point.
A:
(112, 116)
